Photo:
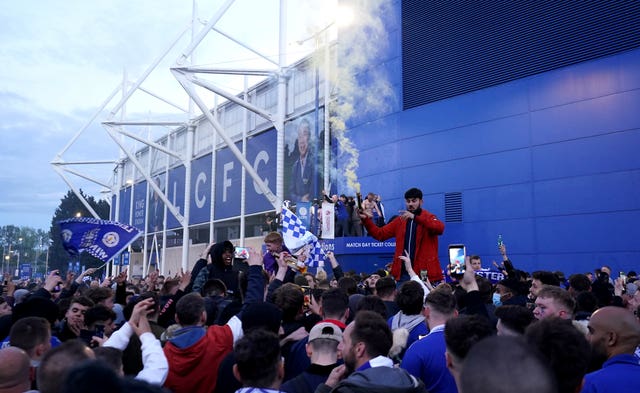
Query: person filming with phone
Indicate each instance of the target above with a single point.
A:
(416, 232)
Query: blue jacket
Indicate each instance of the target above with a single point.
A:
(425, 360)
(619, 374)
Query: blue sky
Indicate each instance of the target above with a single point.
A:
(62, 58)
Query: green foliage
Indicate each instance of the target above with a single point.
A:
(23, 245)
(70, 206)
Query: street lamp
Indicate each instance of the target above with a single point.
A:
(18, 260)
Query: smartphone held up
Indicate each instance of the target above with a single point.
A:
(457, 254)
(241, 253)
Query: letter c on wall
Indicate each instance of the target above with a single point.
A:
(262, 156)
(200, 200)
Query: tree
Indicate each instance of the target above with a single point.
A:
(71, 206)
(23, 245)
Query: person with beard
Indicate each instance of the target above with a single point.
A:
(614, 334)
(365, 344)
(221, 267)
(416, 232)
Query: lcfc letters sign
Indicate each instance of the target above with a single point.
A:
(261, 154)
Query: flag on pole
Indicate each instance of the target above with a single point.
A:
(296, 237)
(101, 238)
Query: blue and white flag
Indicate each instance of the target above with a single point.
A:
(296, 237)
(101, 238)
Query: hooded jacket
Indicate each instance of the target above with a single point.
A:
(377, 380)
(190, 349)
(217, 269)
(195, 352)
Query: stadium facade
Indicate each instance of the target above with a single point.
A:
(515, 118)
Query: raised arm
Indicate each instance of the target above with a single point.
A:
(254, 294)
(335, 266)
(426, 286)
(154, 361)
(473, 301)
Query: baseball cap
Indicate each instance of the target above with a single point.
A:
(326, 330)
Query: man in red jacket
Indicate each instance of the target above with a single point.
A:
(195, 351)
(416, 232)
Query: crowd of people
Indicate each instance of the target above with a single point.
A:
(346, 214)
(259, 325)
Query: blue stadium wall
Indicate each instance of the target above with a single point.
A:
(516, 118)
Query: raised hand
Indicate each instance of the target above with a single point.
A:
(122, 277)
(70, 276)
(406, 215)
(205, 253)
(255, 258)
(85, 273)
(407, 263)
(185, 279)
(468, 281)
(336, 375)
(138, 321)
(52, 280)
(106, 282)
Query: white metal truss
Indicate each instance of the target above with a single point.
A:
(187, 76)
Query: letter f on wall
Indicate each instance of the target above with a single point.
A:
(226, 182)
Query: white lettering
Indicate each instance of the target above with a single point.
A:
(202, 178)
(328, 246)
(98, 252)
(226, 181)
(175, 192)
(262, 156)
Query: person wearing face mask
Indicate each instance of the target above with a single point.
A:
(509, 291)
(497, 298)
